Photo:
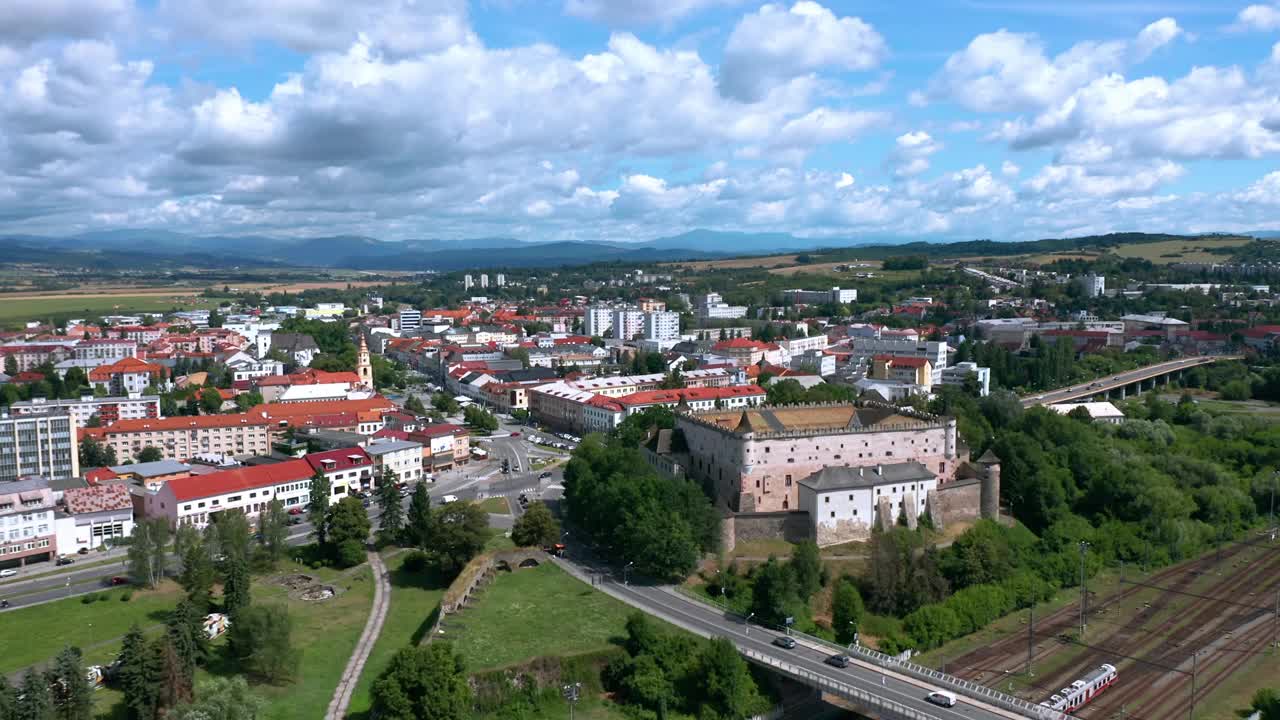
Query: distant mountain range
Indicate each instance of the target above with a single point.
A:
(162, 248)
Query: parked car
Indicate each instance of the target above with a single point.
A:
(295, 520)
(515, 434)
(296, 511)
(941, 697)
(544, 475)
(448, 499)
(785, 642)
(117, 580)
(8, 572)
(840, 661)
(65, 560)
(83, 551)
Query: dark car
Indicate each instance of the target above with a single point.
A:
(117, 580)
(83, 551)
(784, 642)
(295, 520)
(65, 560)
(515, 434)
(840, 661)
(544, 475)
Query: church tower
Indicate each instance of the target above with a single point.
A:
(363, 367)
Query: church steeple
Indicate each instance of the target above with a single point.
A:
(364, 368)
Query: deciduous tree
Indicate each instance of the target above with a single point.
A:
(418, 522)
(220, 698)
(806, 563)
(846, 610)
(149, 454)
(261, 639)
(426, 682)
(273, 531)
(536, 527)
(318, 507)
(458, 533)
(348, 531)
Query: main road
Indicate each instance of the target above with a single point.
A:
(1106, 384)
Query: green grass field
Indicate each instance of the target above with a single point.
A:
(414, 600)
(1174, 251)
(14, 310)
(532, 613)
(496, 506)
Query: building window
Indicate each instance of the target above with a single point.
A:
(827, 500)
(833, 513)
(850, 497)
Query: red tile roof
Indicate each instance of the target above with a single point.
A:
(243, 478)
(124, 365)
(97, 498)
(185, 422)
(653, 397)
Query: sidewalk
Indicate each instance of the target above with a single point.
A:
(373, 627)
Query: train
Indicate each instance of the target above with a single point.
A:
(1080, 692)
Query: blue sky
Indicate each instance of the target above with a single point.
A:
(634, 119)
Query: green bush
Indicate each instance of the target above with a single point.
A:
(126, 596)
(416, 561)
(104, 597)
(88, 598)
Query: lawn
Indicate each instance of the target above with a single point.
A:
(15, 309)
(532, 613)
(73, 622)
(496, 505)
(414, 599)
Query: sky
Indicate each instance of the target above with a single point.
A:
(635, 119)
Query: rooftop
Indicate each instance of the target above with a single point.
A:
(813, 418)
(97, 499)
(652, 397)
(242, 478)
(186, 422)
(152, 469)
(339, 459)
(838, 477)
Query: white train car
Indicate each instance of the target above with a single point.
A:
(1081, 691)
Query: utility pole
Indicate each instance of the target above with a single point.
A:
(1084, 588)
(1031, 637)
(1275, 633)
(1192, 710)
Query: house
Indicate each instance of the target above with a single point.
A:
(743, 351)
(196, 500)
(601, 414)
(347, 469)
(27, 515)
(846, 503)
(1100, 412)
(127, 376)
(402, 457)
(694, 399)
(444, 446)
(93, 516)
(362, 416)
(299, 348)
(909, 370)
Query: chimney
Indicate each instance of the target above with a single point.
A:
(879, 469)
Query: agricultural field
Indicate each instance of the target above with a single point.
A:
(1177, 251)
(767, 261)
(15, 309)
(1220, 607)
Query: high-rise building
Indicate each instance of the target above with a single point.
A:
(661, 325)
(501, 280)
(484, 280)
(467, 282)
(43, 445)
(627, 323)
(712, 307)
(1094, 285)
(597, 320)
(410, 319)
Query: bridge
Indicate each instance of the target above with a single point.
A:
(1121, 384)
(874, 684)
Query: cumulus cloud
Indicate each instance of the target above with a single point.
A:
(1260, 18)
(1073, 181)
(621, 13)
(775, 44)
(1007, 71)
(911, 151)
(23, 22)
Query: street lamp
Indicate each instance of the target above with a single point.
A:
(626, 571)
(747, 622)
(571, 693)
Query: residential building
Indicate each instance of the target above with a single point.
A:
(27, 529)
(909, 370)
(846, 503)
(694, 399)
(184, 437)
(300, 349)
(1093, 285)
(91, 353)
(1099, 412)
(402, 457)
(93, 516)
(409, 319)
(601, 414)
(148, 475)
(43, 445)
(501, 280)
(649, 305)
(597, 320)
(960, 373)
(29, 356)
(818, 297)
(107, 409)
(935, 352)
(1168, 328)
(627, 323)
(362, 416)
(127, 376)
(661, 325)
(743, 352)
(712, 307)
(560, 405)
(467, 282)
(196, 500)
(797, 346)
(484, 280)
(754, 458)
(325, 311)
(347, 469)
(444, 446)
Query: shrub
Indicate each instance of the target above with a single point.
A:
(350, 553)
(104, 597)
(126, 596)
(416, 561)
(89, 598)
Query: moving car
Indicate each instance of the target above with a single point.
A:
(785, 642)
(840, 661)
(544, 475)
(515, 434)
(117, 580)
(941, 697)
(8, 572)
(295, 521)
(448, 499)
(65, 561)
(83, 551)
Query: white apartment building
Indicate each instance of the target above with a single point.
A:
(1093, 285)
(713, 307)
(934, 352)
(93, 516)
(108, 409)
(597, 320)
(957, 375)
(484, 280)
(402, 457)
(818, 297)
(409, 319)
(797, 346)
(197, 499)
(627, 323)
(26, 522)
(467, 282)
(323, 311)
(43, 444)
(245, 367)
(501, 280)
(661, 325)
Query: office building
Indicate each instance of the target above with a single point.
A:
(712, 307)
(484, 280)
(501, 280)
(43, 445)
(410, 319)
(817, 297)
(467, 282)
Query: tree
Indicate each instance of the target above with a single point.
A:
(414, 405)
(729, 690)
(8, 700)
(245, 401)
(185, 629)
(69, 692)
(392, 520)
(348, 531)
(418, 522)
(807, 566)
(94, 454)
(198, 575)
(232, 532)
(445, 404)
(34, 702)
(458, 533)
(235, 585)
(536, 527)
(210, 401)
(273, 531)
(846, 610)
(221, 699)
(261, 639)
(426, 682)
(1266, 702)
(149, 454)
(137, 675)
(10, 365)
(318, 507)
(775, 595)
(173, 685)
(147, 551)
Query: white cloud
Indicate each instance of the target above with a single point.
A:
(1009, 169)
(23, 22)
(622, 13)
(846, 180)
(910, 154)
(1006, 71)
(774, 44)
(1261, 18)
(1075, 181)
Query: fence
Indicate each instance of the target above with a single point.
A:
(920, 672)
(884, 707)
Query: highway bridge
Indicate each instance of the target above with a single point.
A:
(874, 684)
(1121, 384)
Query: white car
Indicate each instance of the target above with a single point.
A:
(941, 697)
(8, 572)
(448, 499)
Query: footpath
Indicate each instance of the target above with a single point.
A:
(372, 629)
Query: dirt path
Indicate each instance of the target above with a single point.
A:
(372, 628)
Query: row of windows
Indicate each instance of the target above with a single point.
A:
(15, 549)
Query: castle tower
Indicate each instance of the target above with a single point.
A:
(990, 490)
(364, 368)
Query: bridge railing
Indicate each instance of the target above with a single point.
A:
(884, 707)
(967, 688)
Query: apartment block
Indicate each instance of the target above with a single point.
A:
(182, 438)
(107, 409)
(43, 445)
